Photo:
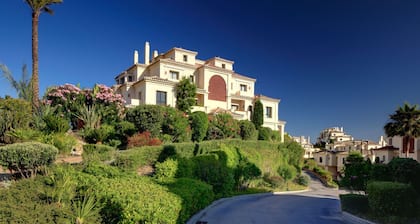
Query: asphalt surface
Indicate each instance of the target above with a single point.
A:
(317, 205)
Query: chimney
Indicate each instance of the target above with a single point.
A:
(146, 53)
(155, 53)
(136, 57)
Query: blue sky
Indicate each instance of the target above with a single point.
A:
(332, 63)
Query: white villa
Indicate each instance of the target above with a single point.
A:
(219, 87)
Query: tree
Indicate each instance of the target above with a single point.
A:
(23, 86)
(405, 122)
(199, 125)
(37, 7)
(258, 114)
(185, 95)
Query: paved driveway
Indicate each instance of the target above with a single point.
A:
(318, 205)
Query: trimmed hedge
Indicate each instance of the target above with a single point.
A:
(391, 198)
(27, 158)
(354, 203)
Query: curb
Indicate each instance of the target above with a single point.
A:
(196, 218)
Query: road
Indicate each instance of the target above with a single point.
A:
(318, 205)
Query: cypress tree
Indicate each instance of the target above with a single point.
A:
(258, 114)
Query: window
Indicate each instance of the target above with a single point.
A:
(268, 112)
(235, 107)
(243, 88)
(344, 160)
(223, 65)
(160, 98)
(121, 80)
(383, 158)
(390, 141)
(130, 78)
(185, 57)
(192, 78)
(320, 159)
(174, 75)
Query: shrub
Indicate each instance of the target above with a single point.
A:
(98, 152)
(356, 172)
(264, 133)
(246, 172)
(146, 118)
(101, 170)
(248, 130)
(27, 158)
(275, 136)
(176, 124)
(199, 125)
(390, 198)
(166, 169)
(98, 135)
(63, 142)
(354, 203)
(380, 172)
(405, 170)
(302, 180)
(195, 194)
(214, 133)
(142, 139)
(54, 123)
(274, 180)
(287, 172)
(258, 114)
(14, 114)
(24, 135)
(226, 124)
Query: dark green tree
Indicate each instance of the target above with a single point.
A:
(37, 6)
(356, 171)
(405, 122)
(258, 114)
(199, 125)
(23, 86)
(185, 95)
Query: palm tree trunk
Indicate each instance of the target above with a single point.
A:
(35, 78)
(408, 147)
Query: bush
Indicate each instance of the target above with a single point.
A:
(247, 130)
(264, 133)
(199, 125)
(166, 169)
(102, 170)
(195, 194)
(275, 136)
(176, 124)
(390, 198)
(380, 172)
(63, 142)
(405, 170)
(14, 114)
(302, 180)
(274, 180)
(54, 123)
(226, 124)
(214, 133)
(142, 139)
(287, 172)
(24, 135)
(147, 118)
(246, 172)
(27, 158)
(98, 152)
(354, 203)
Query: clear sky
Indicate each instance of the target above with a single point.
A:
(332, 63)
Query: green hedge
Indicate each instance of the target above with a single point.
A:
(391, 198)
(354, 203)
(27, 158)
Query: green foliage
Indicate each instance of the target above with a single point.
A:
(356, 172)
(195, 195)
(199, 125)
(146, 118)
(14, 114)
(86, 209)
(354, 203)
(166, 169)
(380, 172)
(302, 180)
(245, 172)
(98, 152)
(65, 143)
(176, 124)
(99, 169)
(89, 116)
(54, 123)
(214, 133)
(247, 130)
(405, 170)
(274, 181)
(27, 158)
(264, 133)
(24, 135)
(390, 198)
(23, 86)
(258, 114)
(287, 172)
(185, 95)
(98, 135)
(226, 124)
(147, 202)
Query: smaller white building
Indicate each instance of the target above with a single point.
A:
(307, 146)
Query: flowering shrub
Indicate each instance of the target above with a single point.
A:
(69, 98)
(142, 139)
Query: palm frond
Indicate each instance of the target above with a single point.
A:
(7, 74)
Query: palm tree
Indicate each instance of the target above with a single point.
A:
(405, 122)
(37, 7)
(23, 86)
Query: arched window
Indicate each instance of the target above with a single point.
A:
(217, 88)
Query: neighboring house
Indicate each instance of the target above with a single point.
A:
(307, 146)
(333, 135)
(414, 148)
(385, 154)
(219, 87)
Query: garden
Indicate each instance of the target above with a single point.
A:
(147, 164)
